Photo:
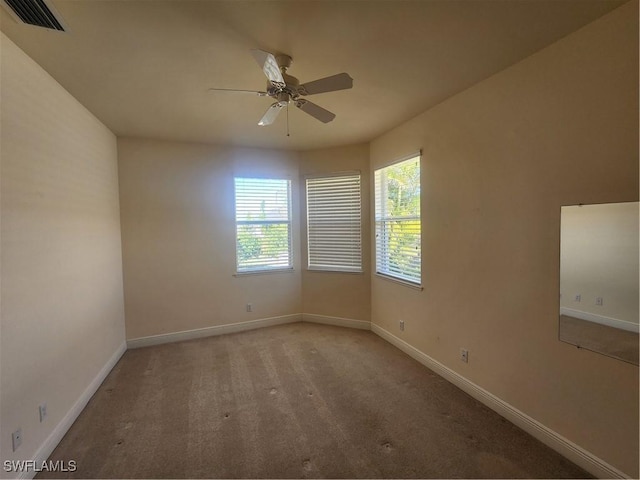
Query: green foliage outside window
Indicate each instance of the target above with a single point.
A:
(249, 244)
(262, 227)
(398, 225)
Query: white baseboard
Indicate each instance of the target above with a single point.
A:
(552, 439)
(212, 331)
(47, 447)
(602, 320)
(337, 321)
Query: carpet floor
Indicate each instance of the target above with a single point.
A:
(293, 401)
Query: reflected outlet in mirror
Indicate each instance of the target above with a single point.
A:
(599, 278)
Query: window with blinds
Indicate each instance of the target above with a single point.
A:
(263, 224)
(397, 220)
(334, 223)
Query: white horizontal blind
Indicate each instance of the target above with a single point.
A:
(334, 223)
(397, 218)
(263, 224)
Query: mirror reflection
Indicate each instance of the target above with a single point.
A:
(599, 278)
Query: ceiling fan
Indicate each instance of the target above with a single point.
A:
(286, 89)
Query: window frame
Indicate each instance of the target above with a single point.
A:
(258, 270)
(406, 280)
(328, 268)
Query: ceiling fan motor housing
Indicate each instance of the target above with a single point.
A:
(283, 98)
(290, 88)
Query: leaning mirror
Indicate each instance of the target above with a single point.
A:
(599, 278)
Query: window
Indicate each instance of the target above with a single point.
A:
(263, 224)
(333, 223)
(397, 220)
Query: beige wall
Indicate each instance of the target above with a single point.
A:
(344, 295)
(62, 298)
(178, 237)
(559, 128)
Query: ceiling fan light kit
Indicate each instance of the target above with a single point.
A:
(286, 89)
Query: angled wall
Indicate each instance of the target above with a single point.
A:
(331, 294)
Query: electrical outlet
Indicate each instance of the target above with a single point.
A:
(16, 439)
(599, 301)
(402, 325)
(249, 307)
(464, 355)
(43, 412)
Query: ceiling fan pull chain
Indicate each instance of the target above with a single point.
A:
(287, 119)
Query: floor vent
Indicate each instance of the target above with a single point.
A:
(35, 12)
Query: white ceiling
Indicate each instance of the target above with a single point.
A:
(143, 67)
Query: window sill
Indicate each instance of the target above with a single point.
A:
(326, 270)
(399, 281)
(264, 272)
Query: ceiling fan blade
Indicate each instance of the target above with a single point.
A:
(269, 66)
(340, 81)
(315, 111)
(256, 92)
(271, 114)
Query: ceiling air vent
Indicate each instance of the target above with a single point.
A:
(35, 12)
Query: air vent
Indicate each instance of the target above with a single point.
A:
(35, 12)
